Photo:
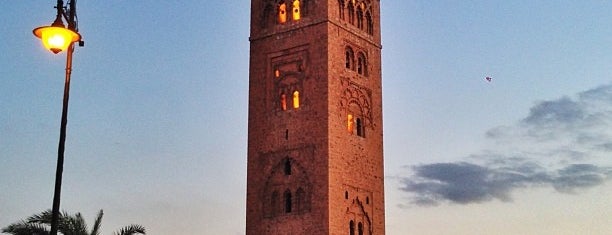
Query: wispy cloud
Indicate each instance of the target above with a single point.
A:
(563, 144)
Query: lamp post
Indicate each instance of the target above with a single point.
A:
(58, 38)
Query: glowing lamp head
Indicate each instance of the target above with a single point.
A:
(56, 38)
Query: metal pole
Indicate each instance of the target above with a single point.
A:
(60, 150)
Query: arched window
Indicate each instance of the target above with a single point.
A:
(370, 23)
(359, 18)
(283, 101)
(349, 58)
(287, 167)
(296, 99)
(288, 202)
(296, 10)
(361, 64)
(282, 13)
(341, 9)
(352, 228)
(351, 12)
(360, 228)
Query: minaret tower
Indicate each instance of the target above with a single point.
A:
(315, 141)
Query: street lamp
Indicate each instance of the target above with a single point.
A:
(58, 38)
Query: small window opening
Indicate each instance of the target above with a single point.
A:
(288, 203)
(345, 194)
(296, 10)
(274, 202)
(296, 99)
(287, 134)
(352, 228)
(361, 64)
(300, 198)
(266, 16)
(370, 24)
(341, 9)
(359, 18)
(367, 200)
(360, 228)
(287, 167)
(283, 101)
(277, 73)
(349, 58)
(351, 12)
(359, 127)
(282, 13)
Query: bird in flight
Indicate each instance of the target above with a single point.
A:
(489, 79)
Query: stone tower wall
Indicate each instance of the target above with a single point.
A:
(334, 176)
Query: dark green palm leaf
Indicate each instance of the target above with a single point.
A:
(38, 224)
(131, 230)
(97, 224)
(25, 228)
(41, 218)
(73, 225)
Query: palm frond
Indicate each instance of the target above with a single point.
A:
(25, 228)
(95, 230)
(131, 230)
(41, 218)
(73, 225)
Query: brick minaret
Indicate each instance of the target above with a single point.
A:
(315, 143)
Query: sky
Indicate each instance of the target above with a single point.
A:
(157, 121)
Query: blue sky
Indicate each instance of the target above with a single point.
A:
(158, 116)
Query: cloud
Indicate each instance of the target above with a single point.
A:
(563, 144)
(556, 112)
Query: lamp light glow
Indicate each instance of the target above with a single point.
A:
(55, 38)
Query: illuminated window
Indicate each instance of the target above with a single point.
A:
(296, 99)
(282, 13)
(288, 203)
(283, 101)
(277, 73)
(349, 123)
(351, 228)
(296, 10)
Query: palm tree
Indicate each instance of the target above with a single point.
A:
(39, 224)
